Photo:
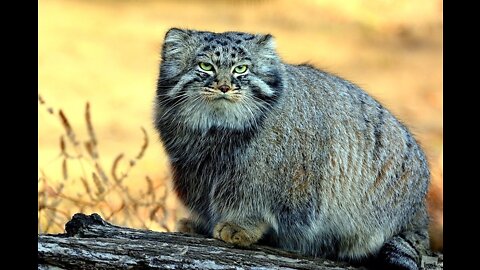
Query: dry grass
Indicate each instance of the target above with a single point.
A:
(107, 52)
(102, 191)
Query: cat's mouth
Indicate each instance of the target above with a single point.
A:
(218, 96)
(223, 97)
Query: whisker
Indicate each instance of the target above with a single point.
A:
(175, 105)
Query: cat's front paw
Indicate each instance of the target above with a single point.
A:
(234, 234)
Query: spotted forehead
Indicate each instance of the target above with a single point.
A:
(226, 48)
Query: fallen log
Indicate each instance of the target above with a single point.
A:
(92, 243)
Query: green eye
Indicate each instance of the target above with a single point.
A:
(240, 69)
(205, 66)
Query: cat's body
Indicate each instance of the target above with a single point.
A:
(308, 163)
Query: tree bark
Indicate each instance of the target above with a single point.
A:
(92, 243)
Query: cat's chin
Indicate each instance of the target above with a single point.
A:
(223, 107)
(222, 101)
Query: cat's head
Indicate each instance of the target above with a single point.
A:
(221, 80)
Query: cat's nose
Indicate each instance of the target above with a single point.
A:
(224, 88)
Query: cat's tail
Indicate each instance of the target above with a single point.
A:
(403, 251)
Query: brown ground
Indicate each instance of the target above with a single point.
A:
(107, 53)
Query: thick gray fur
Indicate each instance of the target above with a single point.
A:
(296, 157)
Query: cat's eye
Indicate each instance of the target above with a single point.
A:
(205, 66)
(240, 69)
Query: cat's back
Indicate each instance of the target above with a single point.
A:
(324, 93)
(319, 107)
(327, 107)
(325, 127)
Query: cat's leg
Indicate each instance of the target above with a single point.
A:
(241, 235)
(192, 225)
(241, 216)
(186, 225)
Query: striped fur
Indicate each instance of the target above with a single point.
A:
(292, 157)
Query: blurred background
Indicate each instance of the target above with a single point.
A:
(108, 159)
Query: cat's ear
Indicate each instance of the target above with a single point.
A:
(177, 44)
(178, 48)
(266, 45)
(177, 35)
(267, 42)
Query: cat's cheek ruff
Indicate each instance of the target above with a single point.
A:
(267, 91)
(260, 88)
(182, 83)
